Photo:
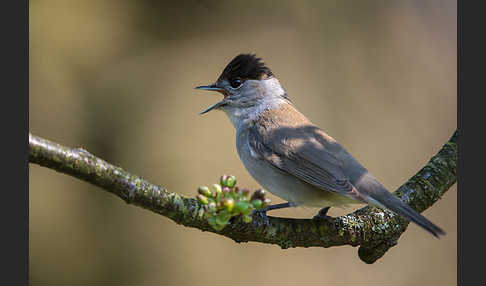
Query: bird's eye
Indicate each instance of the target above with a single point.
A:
(236, 83)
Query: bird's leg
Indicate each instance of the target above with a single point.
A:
(263, 213)
(322, 214)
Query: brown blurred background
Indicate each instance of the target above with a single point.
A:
(117, 78)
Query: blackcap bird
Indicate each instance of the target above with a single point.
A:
(289, 155)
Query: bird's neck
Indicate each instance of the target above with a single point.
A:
(243, 116)
(273, 97)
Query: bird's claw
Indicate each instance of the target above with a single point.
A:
(322, 214)
(261, 215)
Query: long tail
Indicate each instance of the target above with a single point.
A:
(383, 198)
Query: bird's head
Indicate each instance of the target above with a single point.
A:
(248, 86)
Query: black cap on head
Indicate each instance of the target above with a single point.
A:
(246, 66)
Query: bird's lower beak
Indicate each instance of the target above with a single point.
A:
(213, 87)
(215, 106)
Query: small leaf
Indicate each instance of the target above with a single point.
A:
(258, 204)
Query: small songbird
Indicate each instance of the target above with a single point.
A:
(289, 155)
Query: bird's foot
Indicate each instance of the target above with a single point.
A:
(260, 217)
(262, 214)
(322, 214)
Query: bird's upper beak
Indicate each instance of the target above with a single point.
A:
(213, 87)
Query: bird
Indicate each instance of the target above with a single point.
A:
(290, 156)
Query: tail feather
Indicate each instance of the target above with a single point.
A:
(385, 199)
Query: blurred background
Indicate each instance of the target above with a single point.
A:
(117, 77)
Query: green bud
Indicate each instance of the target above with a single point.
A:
(245, 192)
(257, 203)
(217, 188)
(258, 194)
(202, 199)
(247, 218)
(211, 207)
(203, 190)
(222, 180)
(228, 203)
(226, 190)
(230, 181)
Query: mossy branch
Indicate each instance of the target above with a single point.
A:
(373, 229)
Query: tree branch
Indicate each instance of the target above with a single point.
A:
(373, 229)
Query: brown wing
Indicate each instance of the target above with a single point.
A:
(301, 152)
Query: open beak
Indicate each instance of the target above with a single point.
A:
(210, 87)
(213, 87)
